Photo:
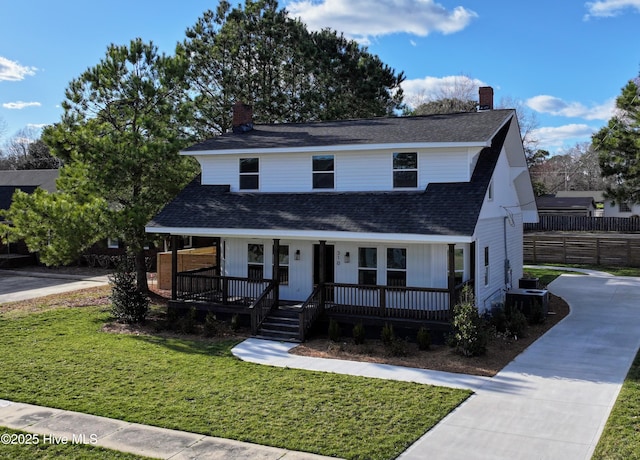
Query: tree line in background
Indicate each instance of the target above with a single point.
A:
(126, 118)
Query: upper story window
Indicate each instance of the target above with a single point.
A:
(249, 173)
(323, 171)
(490, 192)
(405, 170)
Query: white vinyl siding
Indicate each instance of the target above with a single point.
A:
(353, 171)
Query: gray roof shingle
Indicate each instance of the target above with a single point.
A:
(474, 127)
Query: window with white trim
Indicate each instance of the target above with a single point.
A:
(249, 173)
(113, 243)
(323, 167)
(486, 265)
(405, 170)
(255, 261)
(367, 266)
(283, 259)
(459, 265)
(396, 267)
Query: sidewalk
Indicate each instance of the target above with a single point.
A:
(52, 425)
(18, 285)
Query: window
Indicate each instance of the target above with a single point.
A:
(396, 267)
(113, 243)
(459, 267)
(405, 170)
(486, 266)
(490, 192)
(255, 261)
(323, 169)
(249, 173)
(283, 258)
(367, 266)
(624, 207)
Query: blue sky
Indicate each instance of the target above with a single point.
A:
(565, 61)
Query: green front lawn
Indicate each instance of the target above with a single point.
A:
(60, 358)
(621, 436)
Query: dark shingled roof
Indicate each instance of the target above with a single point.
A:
(7, 191)
(552, 202)
(447, 128)
(442, 209)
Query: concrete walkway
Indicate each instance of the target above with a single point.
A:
(551, 402)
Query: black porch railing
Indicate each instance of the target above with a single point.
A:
(203, 285)
(397, 302)
(262, 306)
(311, 309)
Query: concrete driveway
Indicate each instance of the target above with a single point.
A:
(20, 285)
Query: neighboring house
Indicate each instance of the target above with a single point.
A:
(550, 205)
(596, 195)
(381, 219)
(27, 181)
(620, 209)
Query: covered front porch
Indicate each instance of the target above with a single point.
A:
(259, 300)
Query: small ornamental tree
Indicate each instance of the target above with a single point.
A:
(128, 302)
(469, 336)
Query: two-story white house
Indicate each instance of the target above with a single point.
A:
(360, 220)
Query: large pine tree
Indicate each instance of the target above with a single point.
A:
(618, 145)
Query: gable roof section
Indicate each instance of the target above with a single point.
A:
(455, 128)
(450, 209)
(43, 178)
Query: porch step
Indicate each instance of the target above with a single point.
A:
(282, 325)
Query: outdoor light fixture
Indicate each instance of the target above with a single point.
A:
(347, 257)
(297, 254)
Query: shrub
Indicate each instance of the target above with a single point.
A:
(536, 313)
(210, 327)
(128, 303)
(516, 321)
(469, 335)
(187, 324)
(398, 347)
(334, 330)
(387, 335)
(358, 334)
(235, 322)
(423, 338)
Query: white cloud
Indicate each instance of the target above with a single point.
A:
(12, 71)
(36, 126)
(556, 106)
(418, 91)
(20, 105)
(363, 19)
(551, 138)
(609, 8)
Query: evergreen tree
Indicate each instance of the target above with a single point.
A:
(618, 145)
(261, 56)
(122, 128)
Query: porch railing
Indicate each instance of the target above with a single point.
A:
(311, 309)
(398, 302)
(262, 306)
(203, 285)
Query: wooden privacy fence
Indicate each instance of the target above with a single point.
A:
(612, 250)
(584, 224)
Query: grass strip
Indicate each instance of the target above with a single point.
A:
(621, 436)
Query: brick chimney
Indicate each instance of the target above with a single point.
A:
(486, 98)
(242, 117)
